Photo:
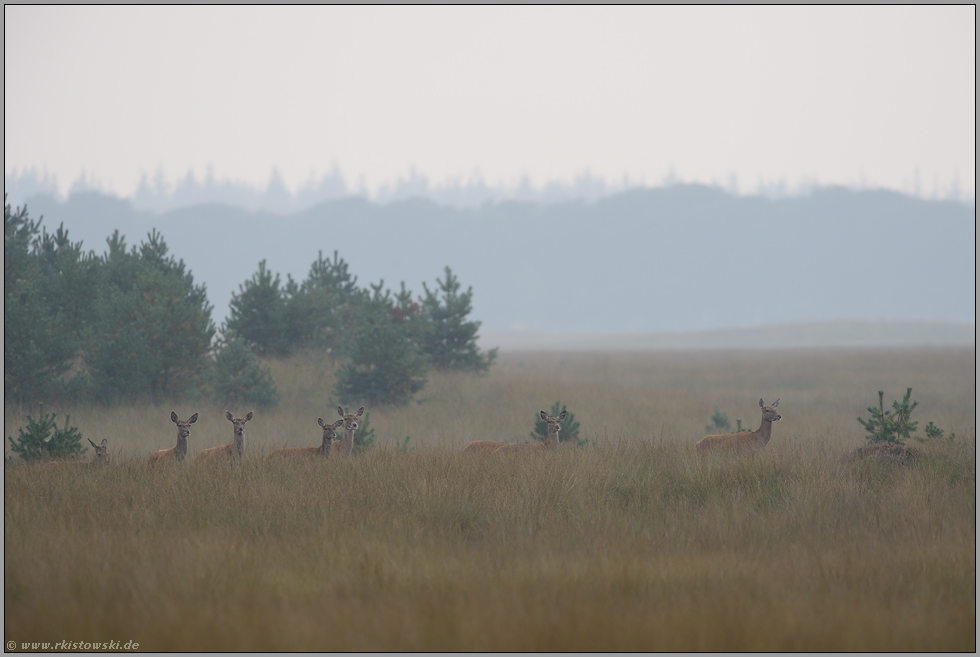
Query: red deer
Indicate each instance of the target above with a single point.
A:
(745, 440)
(323, 451)
(232, 451)
(346, 446)
(177, 453)
(554, 426)
(101, 457)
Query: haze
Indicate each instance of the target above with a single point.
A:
(731, 96)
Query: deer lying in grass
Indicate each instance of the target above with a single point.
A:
(231, 451)
(329, 433)
(177, 453)
(101, 458)
(346, 446)
(744, 440)
(485, 446)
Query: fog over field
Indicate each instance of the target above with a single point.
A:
(638, 268)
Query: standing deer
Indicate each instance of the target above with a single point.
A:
(746, 439)
(231, 451)
(177, 453)
(329, 433)
(554, 426)
(101, 458)
(346, 446)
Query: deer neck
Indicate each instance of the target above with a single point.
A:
(552, 439)
(764, 433)
(181, 447)
(239, 444)
(327, 444)
(347, 446)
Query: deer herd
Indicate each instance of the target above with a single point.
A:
(331, 447)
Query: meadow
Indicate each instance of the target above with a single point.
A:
(631, 543)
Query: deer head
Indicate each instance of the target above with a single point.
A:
(101, 451)
(239, 422)
(554, 425)
(350, 419)
(183, 426)
(769, 413)
(329, 430)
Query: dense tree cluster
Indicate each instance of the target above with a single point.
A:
(131, 323)
(387, 341)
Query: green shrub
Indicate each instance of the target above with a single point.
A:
(569, 427)
(43, 440)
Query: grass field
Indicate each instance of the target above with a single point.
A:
(632, 543)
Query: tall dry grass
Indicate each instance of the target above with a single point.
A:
(631, 544)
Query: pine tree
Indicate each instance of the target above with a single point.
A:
(49, 288)
(151, 331)
(384, 366)
(257, 314)
(322, 311)
(239, 379)
(450, 342)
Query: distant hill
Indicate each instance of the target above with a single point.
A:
(808, 335)
(672, 259)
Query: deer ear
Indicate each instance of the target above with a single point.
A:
(231, 418)
(319, 421)
(775, 403)
(249, 416)
(91, 443)
(544, 416)
(761, 403)
(105, 443)
(192, 419)
(360, 412)
(340, 409)
(173, 416)
(561, 416)
(337, 423)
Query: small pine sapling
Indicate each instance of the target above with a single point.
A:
(719, 423)
(934, 433)
(894, 426)
(33, 443)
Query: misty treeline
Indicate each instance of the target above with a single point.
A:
(132, 324)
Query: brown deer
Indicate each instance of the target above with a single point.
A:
(101, 458)
(745, 440)
(346, 446)
(177, 453)
(485, 446)
(232, 451)
(329, 433)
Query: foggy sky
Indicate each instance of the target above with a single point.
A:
(726, 95)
